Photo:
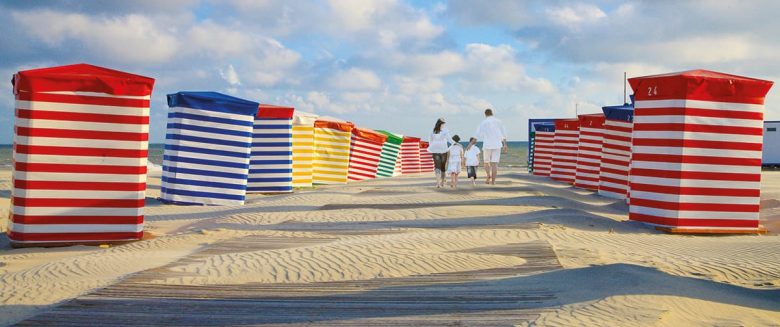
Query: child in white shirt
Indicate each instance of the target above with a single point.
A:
(472, 159)
(454, 160)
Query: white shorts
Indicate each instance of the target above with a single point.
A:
(491, 155)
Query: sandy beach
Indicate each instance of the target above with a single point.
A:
(403, 232)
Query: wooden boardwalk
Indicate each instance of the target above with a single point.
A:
(470, 298)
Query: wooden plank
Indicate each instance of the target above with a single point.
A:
(475, 298)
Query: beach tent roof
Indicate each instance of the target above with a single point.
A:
(303, 118)
(212, 101)
(82, 78)
(624, 112)
(544, 127)
(274, 111)
(702, 85)
(392, 137)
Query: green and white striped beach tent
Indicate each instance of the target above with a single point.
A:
(389, 156)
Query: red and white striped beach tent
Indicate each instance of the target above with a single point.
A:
(564, 159)
(696, 161)
(616, 151)
(426, 158)
(364, 153)
(544, 147)
(80, 148)
(589, 151)
(410, 155)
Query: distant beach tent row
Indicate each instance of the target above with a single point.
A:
(271, 161)
(80, 148)
(389, 156)
(544, 147)
(331, 151)
(686, 156)
(303, 148)
(616, 151)
(364, 154)
(208, 145)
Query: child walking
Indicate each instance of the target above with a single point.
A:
(472, 159)
(454, 161)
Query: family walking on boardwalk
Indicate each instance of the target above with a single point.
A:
(449, 155)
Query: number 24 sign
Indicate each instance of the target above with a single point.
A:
(652, 90)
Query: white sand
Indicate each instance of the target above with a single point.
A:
(616, 272)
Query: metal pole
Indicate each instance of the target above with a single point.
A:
(624, 87)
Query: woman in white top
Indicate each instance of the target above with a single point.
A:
(454, 161)
(438, 145)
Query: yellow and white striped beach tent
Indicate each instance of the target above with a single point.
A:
(303, 148)
(331, 151)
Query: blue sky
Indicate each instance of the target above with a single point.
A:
(395, 64)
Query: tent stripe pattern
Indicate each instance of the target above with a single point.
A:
(697, 140)
(303, 148)
(389, 156)
(365, 151)
(616, 151)
(271, 162)
(589, 151)
(80, 149)
(410, 155)
(564, 161)
(207, 148)
(426, 158)
(544, 139)
(331, 151)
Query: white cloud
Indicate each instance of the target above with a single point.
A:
(230, 75)
(497, 67)
(134, 38)
(573, 16)
(355, 79)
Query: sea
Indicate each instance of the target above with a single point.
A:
(516, 157)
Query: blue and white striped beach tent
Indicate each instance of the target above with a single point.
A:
(271, 165)
(207, 148)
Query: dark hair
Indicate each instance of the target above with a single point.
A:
(456, 138)
(488, 112)
(437, 127)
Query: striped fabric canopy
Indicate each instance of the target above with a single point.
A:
(303, 148)
(544, 144)
(410, 155)
(271, 162)
(616, 151)
(696, 162)
(389, 156)
(364, 154)
(207, 148)
(80, 148)
(331, 151)
(589, 151)
(564, 161)
(426, 158)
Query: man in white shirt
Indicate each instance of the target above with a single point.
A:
(493, 136)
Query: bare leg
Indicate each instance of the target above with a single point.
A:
(488, 170)
(494, 170)
(455, 180)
